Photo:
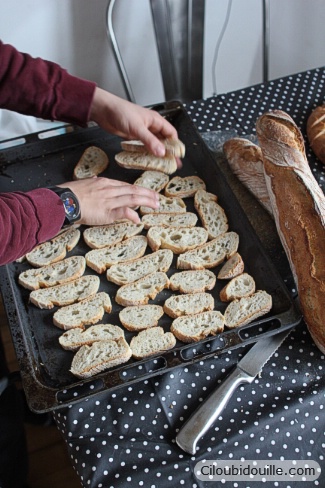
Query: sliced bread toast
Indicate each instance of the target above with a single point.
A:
(93, 161)
(140, 317)
(240, 286)
(189, 304)
(193, 328)
(192, 281)
(184, 187)
(187, 219)
(234, 266)
(166, 205)
(55, 250)
(154, 180)
(244, 310)
(73, 339)
(175, 147)
(212, 216)
(108, 235)
(141, 291)
(178, 240)
(151, 341)
(146, 161)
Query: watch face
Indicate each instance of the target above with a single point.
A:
(71, 206)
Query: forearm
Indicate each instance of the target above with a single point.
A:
(26, 219)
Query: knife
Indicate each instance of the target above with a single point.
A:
(245, 372)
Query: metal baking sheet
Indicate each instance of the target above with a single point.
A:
(43, 161)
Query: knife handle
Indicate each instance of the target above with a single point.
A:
(202, 419)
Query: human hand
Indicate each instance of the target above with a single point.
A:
(102, 200)
(131, 121)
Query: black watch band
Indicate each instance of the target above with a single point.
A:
(70, 203)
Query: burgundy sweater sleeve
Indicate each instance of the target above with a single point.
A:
(26, 219)
(33, 86)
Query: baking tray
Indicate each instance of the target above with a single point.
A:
(46, 159)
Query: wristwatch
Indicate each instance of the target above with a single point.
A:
(70, 203)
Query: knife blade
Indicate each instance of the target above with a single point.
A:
(245, 372)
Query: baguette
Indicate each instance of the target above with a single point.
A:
(167, 205)
(140, 317)
(154, 180)
(316, 132)
(212, 216)
(146, 161)
(108, 235)
(210, 254)
(234, 266)
(139, 292)
(84, 313)
(194, 328)
(178, 240)
(55, 250)
(173, 147)
(246, 162)
(187, 219)
(244, 310)
(90, 360)
(298, 205)
(189, 304)
(54, 274)
(93, 161)
(184, 187)
(62, 295)
(73, 339)
(123, 252)
(126, 273)
(239, 287)
(196, 281)
(151, 341)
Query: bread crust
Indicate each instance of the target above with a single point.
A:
(298, 206)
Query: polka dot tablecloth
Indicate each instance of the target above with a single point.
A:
(126, 438)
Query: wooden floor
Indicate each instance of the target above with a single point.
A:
(50, 466)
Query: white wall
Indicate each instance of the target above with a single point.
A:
(73, 33)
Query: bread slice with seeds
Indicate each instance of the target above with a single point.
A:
(125, 273)
(108, 235)
(141, 291)
(151, 341)
(102, 355)
(62, 295)
(54, 274)
(189, 304)
(192, 281)
(73, 339)
(178, 240)
(123, 252)
(154, 180)
(244, 310)
(187, 219)
(166, 205)
(211, 253)
(234, 266)
(93, 161)
(184, 187)
(55, 250)
(194, 328)
(140, 317)
(212, 216)
(239, 287)
(87, 312)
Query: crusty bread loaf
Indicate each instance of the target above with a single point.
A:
(298, 205)
(210, 254)
(125, 273)
(62, 295)
(123, 252)
(234, 266)
(244, 310)
(316, 131)
(73, 339)
(90, 360)
(55, 250)
(54, 274)
(140, 317)
(184, 187)
(154, 180)
(93, 161)
(187, 219)
(87, 312)
(193, 328)
(213, 217)
(146, 161)
(192, 281)
(151, 341)
(139, 292)
(175, 147)
(189, 304)
(239, 287)
(166, 205)
(108, 235)
(177, 239)
(246, 161)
